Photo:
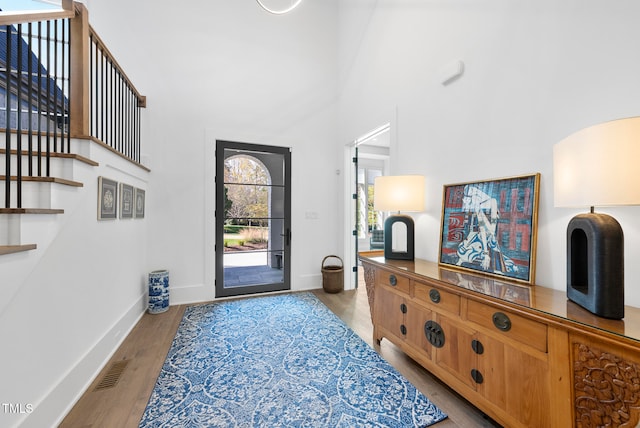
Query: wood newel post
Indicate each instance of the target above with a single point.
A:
(79, 107)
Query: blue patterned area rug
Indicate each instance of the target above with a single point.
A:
(279, 361)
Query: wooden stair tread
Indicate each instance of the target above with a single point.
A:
(11, 249)
(45, 180)
(55, 155)
(30, 211)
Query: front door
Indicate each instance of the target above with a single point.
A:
(253, 227)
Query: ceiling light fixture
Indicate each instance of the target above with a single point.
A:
(279, 7)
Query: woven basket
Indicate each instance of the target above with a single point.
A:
(332, 276)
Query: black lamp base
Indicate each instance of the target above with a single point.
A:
(595, 264)
(389, 253)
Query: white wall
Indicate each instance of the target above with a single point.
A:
(535, 72)
(66, 306)
(229, 70)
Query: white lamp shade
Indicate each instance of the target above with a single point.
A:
(598, 166)
(399, 193)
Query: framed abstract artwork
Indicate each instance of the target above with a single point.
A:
(490, 227)
(139, 203)
(107, 199)
(126, 201)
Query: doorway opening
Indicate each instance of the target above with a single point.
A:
(253, 210)
(371, 156)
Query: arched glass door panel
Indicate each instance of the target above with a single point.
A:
(253, 229)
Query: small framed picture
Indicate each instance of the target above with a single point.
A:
(139, 198)
(107, 199)
(126, 201)
(490, 227)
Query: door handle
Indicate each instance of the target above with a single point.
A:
(287, 237)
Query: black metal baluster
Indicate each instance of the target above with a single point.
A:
(69, 77)
(106, 85)
(128, 126)
(132, 117)
(30, 98)
(19, 116)
(119, 117)
(39, 91)
(125, 130)
(91, 87)
(55, 86)
(125, 101)
(136, 127)
(127, 141)
(102, 97)
(48, 101)
(7, 193)
(112, 72)
(138, 133)
(63, 140)
(125, 116)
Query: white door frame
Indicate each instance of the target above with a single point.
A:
(350, 189)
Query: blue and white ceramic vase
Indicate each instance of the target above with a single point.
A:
(158, 291)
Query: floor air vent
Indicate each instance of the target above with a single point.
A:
(111, 378)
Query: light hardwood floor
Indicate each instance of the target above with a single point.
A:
(146, 347)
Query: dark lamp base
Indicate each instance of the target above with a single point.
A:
(595, 264)
(388, 238)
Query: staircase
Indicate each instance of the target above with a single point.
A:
(43, 198)
(48, 106)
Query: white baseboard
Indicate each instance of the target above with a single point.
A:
(191, 294)
(55, 405)
(200, 293)
(307, 282)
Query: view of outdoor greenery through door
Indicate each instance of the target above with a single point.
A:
(245, 205)
(252, 218)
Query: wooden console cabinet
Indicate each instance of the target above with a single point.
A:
(524, 355)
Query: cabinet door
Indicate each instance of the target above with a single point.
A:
(456, 355)
(605, 382)
(515, 381)
(415, 319)
(389, 313)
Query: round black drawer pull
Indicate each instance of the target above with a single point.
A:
(501, 321)
(477, 376)
(434, 333)
(434, 295)
(393, 280)
(403, 329)
(477, 347)
(403, 308)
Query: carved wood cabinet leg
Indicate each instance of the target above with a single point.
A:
(369, 280)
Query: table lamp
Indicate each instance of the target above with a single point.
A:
(399, 193)
(597, 166)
